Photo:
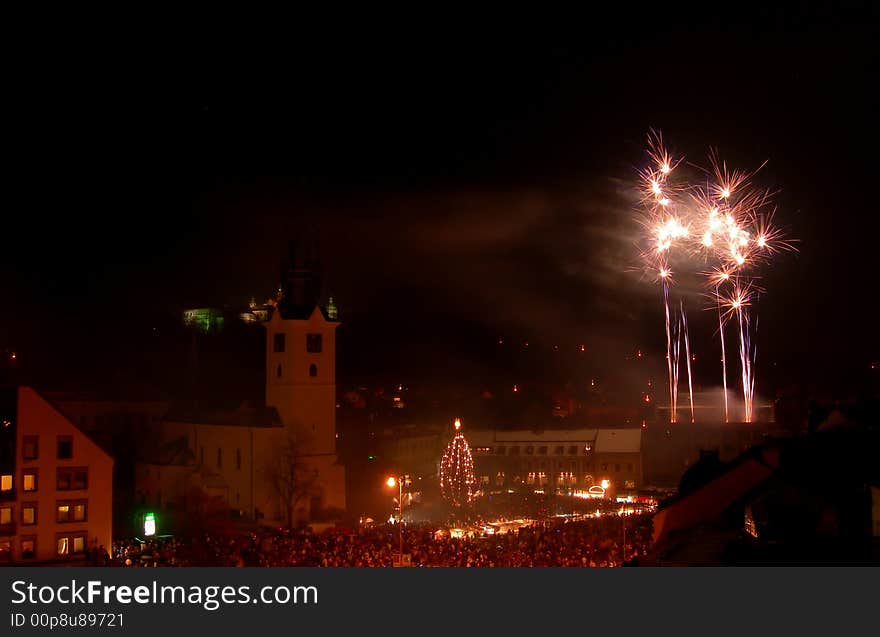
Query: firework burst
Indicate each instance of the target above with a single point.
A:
(723, 223)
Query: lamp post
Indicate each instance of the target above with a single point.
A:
(399, 482)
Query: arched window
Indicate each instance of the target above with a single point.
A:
(313, 370)
(279, 370)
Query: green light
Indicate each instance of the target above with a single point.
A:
(149, 524)
(205, 320)
(371, 457)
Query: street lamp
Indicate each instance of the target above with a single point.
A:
(399, 482)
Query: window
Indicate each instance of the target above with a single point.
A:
(65, 447)
(80, 479)
(71, 543)
(6, 482)
(72, 479)
(238, 459)
(313, 370)
(29, 480)
(29, 513)
(530, 450)
(28, 546)
(6, 515)
(30, 447)
(278, 371)
(279, 343)
(313, 343)
(559, 450)
(73, 511)
(542, 451)
(219, 457)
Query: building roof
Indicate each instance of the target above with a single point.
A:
(244, 416)
(619, 441)
(709, 502)
(552, 435)
(101, 444)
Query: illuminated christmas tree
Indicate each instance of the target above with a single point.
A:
(457, 470)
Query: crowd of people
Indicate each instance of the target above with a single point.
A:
(605, 541)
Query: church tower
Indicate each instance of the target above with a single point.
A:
(301, 372)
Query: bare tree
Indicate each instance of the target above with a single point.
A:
(292, 477)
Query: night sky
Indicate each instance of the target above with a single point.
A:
(463, 186)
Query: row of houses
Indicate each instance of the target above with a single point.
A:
(76, 471)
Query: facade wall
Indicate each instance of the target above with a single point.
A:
(83, 479)
(668, 450)
(231, 463)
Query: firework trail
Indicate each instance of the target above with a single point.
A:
(687, 352)
(745, 354)
(723, 354)
(671, 362)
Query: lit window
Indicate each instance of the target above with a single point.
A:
(6, 482)
(79, 544)
(79, 512)
(28, 547)
(29, 514)
(6, 515)
(63, 513)
(63, 546)
(29, 481)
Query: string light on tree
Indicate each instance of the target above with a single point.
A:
(457, 470)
